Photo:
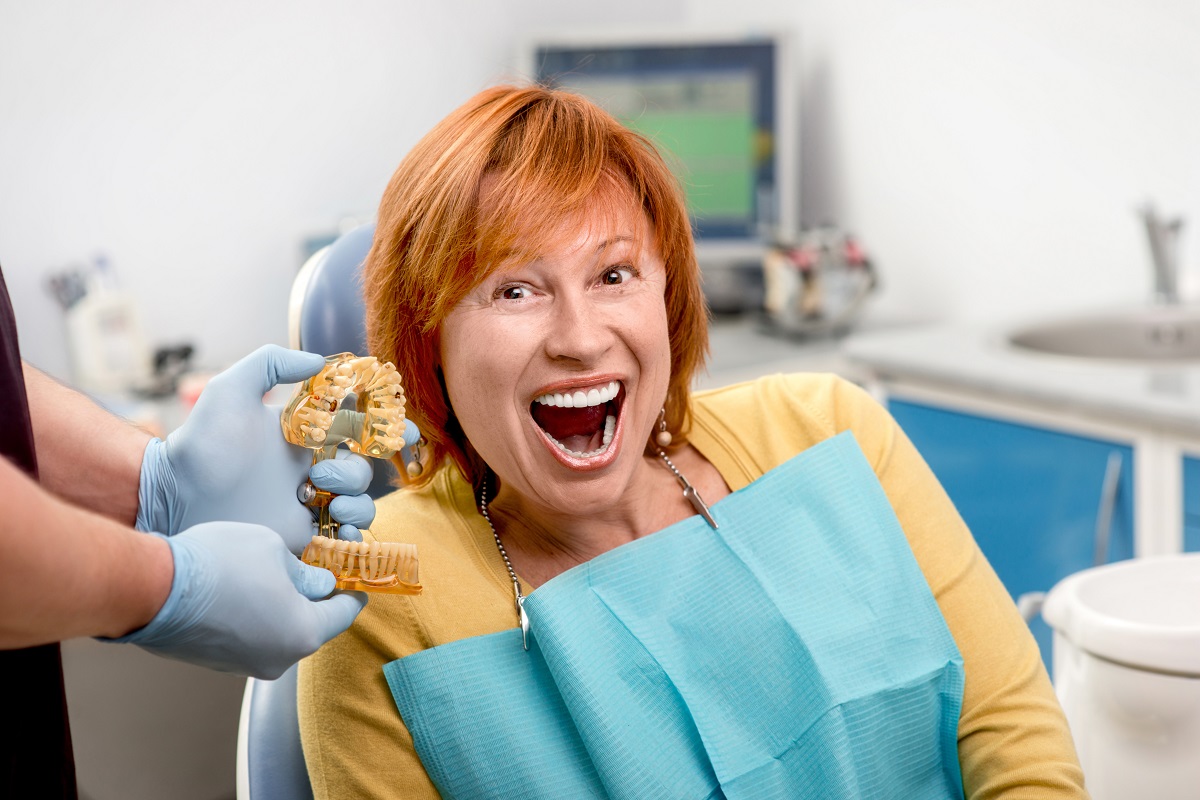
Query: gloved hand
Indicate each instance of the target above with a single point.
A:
(347, 477)
(240, 602)
(229, 460)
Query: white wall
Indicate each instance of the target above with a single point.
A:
(991, 153)
(199, 144)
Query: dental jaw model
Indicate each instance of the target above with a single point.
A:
(320, 416)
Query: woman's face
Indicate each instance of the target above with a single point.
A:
(557, 364)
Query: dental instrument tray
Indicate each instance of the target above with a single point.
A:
(816, 286)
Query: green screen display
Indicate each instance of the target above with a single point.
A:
(705, 129)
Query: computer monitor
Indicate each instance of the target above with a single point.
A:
(721, 109)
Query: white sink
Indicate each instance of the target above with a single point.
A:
(1154, 333)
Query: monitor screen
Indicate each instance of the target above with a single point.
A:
(718, 111)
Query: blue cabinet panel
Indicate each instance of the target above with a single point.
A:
(1030, 495)
(1191, 504)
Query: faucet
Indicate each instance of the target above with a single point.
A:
(1164, 253)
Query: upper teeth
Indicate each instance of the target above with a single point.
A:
(581, 399)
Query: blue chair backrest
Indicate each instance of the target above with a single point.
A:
(331, 311)
(327, 313)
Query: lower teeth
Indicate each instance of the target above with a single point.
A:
(610, 424)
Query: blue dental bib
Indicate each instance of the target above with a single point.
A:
(796, 651)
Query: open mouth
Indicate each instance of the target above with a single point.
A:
(580, 422)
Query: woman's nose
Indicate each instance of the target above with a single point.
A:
(579, 329)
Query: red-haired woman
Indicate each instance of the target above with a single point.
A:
(633, 590)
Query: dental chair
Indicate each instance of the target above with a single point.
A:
(325, 309)
(325, 315)
(270, 760)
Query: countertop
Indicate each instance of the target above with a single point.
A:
(978, 360)
(742, 349)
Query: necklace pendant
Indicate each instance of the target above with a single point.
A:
(697, 502)
(524, 621)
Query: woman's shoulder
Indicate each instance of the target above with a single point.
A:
(762, 423)
(459, 569)
(438, 517)
(812, 390)
(819, 403)
(427, 512)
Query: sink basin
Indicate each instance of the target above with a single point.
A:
(1158, 333)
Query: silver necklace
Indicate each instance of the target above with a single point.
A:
(522, 617)
(689, 493)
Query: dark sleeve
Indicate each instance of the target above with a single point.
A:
(36, 758)
(16, 436)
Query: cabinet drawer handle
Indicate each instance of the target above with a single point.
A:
(1030, 605)
(1108, 504)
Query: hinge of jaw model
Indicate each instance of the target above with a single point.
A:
(318, 418)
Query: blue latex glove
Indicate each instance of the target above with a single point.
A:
(240, 602)
(229, 460)
(347, 477)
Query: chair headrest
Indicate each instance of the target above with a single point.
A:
(327, 302)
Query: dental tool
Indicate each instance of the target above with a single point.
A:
(320, 417)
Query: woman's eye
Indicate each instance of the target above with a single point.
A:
(512, 293)
(617, 276)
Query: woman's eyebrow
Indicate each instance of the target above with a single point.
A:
(614, 240)
(515, 254)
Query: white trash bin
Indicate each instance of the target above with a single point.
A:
(1127, 671)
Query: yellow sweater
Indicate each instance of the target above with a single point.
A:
(1012, 737)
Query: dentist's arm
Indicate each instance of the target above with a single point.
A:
(70, 572)
(85, 455)
(228, 461)
(223, 595)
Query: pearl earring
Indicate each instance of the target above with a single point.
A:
(663, 437)
(414, 467)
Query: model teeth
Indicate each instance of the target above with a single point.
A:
(318, 435)
(610, 425)
(581, 399)
(370, 562)
(308, 419)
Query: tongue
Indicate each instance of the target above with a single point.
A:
(563, 422)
